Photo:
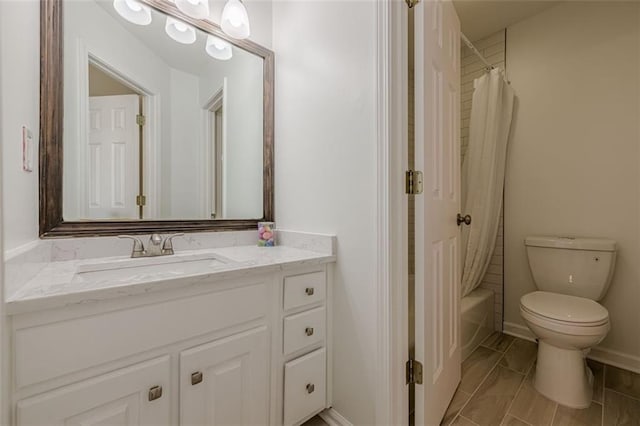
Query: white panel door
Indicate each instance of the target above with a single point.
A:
(112, 167)
(226, 382)
(437, 97)
(117, 398)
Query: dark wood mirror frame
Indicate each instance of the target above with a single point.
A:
(52, 224)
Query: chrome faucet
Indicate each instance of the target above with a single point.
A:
(157, 245)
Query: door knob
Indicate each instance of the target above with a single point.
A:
(463, 219)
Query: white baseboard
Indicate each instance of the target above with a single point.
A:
(604, 355)
(333, 418)
(517, 330)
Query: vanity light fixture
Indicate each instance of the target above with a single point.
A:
(235, 20)
(179, 31)
(198, 9)
(218, 48)
(133, 11)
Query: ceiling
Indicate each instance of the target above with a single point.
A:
(480, 18)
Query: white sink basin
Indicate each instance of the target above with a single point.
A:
(122, 269)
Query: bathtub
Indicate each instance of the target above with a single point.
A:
(476, 319)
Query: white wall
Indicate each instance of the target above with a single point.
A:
(243, 117)
(573, 165)
(185, 160)
(326, 169)
(19, 104)
(85, 26)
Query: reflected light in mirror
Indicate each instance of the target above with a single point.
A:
(179, 31)
(235, 20)
(218, 48)
(133, 11)
(198, 9)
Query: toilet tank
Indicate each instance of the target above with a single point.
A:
(576, 266)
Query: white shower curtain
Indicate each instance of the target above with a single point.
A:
(483, 173)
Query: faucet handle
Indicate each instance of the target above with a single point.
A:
(167, 245)
(155, 239)
(138, 246)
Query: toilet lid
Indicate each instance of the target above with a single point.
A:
(562, 307)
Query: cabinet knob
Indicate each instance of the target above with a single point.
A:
(310, 387)
(309, 331)
(155, 393)
(309, 291)
(196, 378)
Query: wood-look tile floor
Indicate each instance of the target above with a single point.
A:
(497, 390)
(315, 421)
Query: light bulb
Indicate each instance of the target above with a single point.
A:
(179, 31)
(235, 20)
(198, 9)
(133, 11)
(218, 48)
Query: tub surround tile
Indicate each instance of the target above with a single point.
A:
(531, 406)
(620, 410)
(520, 356)
(476, 367)
(491, 401)
(598, 379)
(622, 381)
(459, 399)
(591, 416)
(498, 341)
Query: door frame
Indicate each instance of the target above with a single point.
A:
(206, 153)
(392, 393)
(150, 136)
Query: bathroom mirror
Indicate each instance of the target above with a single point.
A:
(160, 125)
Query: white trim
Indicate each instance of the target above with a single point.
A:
(391, 214)
(333, 418)
(615, 358)
(517, 330)
(206, 170)
(604, 355)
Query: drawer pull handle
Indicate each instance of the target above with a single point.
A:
(309, 291)
(310, 387)
(309, 331)
(155, 393)
(196, 378)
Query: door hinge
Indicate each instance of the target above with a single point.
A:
(413, 182)
(141, 200)
(414, 372)
(412, 3)
(141, 120)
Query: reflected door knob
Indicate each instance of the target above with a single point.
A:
(463, 219)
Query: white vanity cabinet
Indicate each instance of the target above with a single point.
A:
(128, 397)
(250, 350)
(226, 382)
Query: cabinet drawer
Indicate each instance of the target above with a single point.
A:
(304, 386)
(301, 290)
(304, 329)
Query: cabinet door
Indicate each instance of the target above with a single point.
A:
(226, 382)
(121, 397)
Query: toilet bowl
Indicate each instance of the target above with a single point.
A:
(571, 274)
(566, 326)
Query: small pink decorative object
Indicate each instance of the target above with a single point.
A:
(266, 234)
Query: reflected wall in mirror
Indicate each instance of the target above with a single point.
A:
(205, 149)
(161, 121)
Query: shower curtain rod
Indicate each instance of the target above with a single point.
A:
(476, 51)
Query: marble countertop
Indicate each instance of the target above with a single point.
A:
(63, 283)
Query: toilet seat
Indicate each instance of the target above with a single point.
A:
(563, 309)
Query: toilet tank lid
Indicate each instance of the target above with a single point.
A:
(571, 243)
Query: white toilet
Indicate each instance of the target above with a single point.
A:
(571, 274)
